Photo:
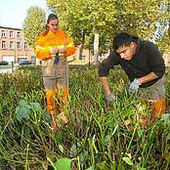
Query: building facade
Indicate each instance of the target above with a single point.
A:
(13, 47)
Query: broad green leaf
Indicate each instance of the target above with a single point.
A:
(61, 148)
(73, 151)
(22, 103)
(63, 164)
(23, 110)
(35, 106)
(107, 140)
(151, 137)
(127, 160)
(140, 133)
(166, 119)
(22, 113)
(90, 168)
(140, 168)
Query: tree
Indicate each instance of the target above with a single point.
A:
(34, 23)
(103, 19)
(82, 18)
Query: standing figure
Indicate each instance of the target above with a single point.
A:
(144, 66)
(53, 47)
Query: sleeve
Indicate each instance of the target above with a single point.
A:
(108, 64)
(41, 52)
(155, 60)
(70, 47)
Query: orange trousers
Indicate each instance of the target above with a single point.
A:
(158, 108)
(156, 96)
(51, 99)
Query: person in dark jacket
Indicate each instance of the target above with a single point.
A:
(144, 66)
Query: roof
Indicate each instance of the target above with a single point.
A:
(10, 28)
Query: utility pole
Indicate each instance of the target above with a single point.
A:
(15, 52)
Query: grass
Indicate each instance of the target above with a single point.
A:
(98, 136)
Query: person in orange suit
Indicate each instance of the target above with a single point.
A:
(53, 46)
(143, 64)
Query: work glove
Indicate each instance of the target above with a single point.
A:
(134, 86)
(110, 98)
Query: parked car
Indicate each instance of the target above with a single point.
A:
(23, 63)
(4, 63)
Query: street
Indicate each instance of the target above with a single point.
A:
(6, 70)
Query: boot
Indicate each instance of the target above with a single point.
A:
(62, 119)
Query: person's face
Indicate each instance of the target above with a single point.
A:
(53, 25)
(127, 52)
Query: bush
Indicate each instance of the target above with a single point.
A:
(98, 136)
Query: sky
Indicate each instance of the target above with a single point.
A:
(13, 12)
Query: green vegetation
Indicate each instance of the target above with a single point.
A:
(93, 23)
(97, 137)
(34, 23)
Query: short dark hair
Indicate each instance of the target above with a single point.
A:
(123, 39)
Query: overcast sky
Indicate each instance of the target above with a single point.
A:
(13, 12)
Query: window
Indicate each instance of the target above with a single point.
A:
(11, 45)
(4, 45)
(3, 33)
(11, 34)
(22, 58)
(25, 46)
(18, 34)
(18, 45)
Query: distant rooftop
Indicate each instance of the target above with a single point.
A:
(10, 28)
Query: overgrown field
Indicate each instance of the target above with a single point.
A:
(98, 136)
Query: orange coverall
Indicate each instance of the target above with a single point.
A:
(55, 76)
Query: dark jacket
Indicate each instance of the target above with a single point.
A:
(146, 59)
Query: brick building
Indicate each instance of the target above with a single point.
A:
(13, 47)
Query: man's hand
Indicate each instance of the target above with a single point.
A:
(110, 98)
(134, 86)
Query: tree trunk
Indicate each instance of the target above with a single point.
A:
(82, 46)
(96, 48)
(169, 29)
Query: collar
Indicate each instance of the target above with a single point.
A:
(52, 33)
(138, 42)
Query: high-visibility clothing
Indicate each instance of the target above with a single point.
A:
(60, 100)
(158, 108)
(58, 39)
(55, 75)
(156, 95)
(50, 99)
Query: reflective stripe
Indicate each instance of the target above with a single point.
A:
(39, 47)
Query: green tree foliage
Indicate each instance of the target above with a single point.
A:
(33, 24)
(84, 18)
(163, 32)
(108, 17)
